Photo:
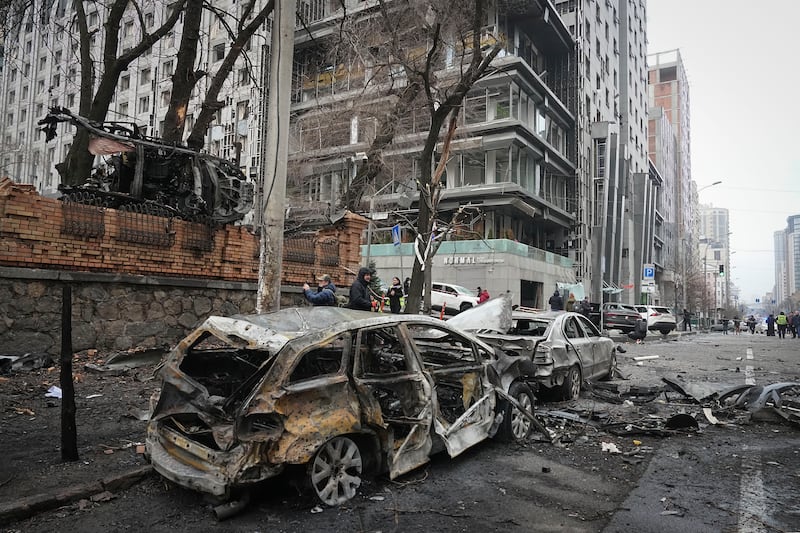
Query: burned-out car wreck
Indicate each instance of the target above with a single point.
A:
(345, 393)
(145, 174)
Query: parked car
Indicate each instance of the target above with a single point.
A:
(566, 349)
(455, 297)
(620, 316)
(658, 318)
(342, 392)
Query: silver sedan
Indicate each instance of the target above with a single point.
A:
(566, 349)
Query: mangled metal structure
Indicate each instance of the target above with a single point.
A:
(343, 392)
(170, 180)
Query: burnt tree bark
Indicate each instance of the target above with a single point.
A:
(69, 430)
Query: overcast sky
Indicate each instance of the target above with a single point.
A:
(742, 62)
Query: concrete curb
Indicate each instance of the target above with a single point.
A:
(27, 507)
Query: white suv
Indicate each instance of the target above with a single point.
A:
(455, 297)
(658, 318)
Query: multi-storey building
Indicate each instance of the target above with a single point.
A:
(787, 264)
(40, 70)
(714, 250)
(662, 151)
(512, 158)
(611, 139)
(668, 89)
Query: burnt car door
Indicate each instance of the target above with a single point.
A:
(395, 396)
(463, 397)
(316, 400)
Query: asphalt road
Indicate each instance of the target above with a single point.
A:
(735, 477)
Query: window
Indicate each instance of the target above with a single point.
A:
(24, 95)
(11, 97)
(71, 100)
(42, 63)
(219, 52)
(168, 69)
(145, 76)
(244, 76)
(23, 115)
(124, 82)
(165, 98)
(144, 104)
(440, 347)
(13, 76)
(40, 87)
(127, 29)
(148, 20)
(56, 80)
(10, 119)
(381, 351)
(123, 109)
(93, 19)
(323, 360)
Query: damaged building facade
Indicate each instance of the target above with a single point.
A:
(511, 162)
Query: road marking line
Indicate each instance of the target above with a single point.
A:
(749, 353)
(749, 375)
(752, 503)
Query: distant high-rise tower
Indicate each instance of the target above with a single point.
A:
(787, 261)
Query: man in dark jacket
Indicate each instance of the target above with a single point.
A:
(325, 293)
(359, 291)
(556, 302)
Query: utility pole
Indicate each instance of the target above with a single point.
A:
(275, 154)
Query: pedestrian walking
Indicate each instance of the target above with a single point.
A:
(395, 293)
(771, 325)
(359, 291)
(725, 323)
(782, 321)
(325, 293)
(570, 305)
(796, 324)
(556, 302)
(737, 325)
(483, 295)
(751, 324)
(687, 319)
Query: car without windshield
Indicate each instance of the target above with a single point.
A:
(566, 349)
(343, 393)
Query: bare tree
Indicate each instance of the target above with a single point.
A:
(94, 103)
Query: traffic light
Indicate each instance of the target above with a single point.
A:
(721, 270)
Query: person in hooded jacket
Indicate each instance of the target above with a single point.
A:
(359, 291)
(556, 302)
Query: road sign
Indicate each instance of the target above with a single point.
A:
(396, 234)
(649, 272)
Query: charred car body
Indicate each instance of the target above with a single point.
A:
(343, 392)
(170, 179)
(566, 348)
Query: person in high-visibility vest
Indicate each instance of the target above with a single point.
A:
(782, 322)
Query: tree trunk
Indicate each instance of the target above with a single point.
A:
(185, 77)
(69, 430)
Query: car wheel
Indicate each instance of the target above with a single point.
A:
(665, 331)
(464, 306)
(336, 470)
(612, 365)
(571, 388)
(516, 426)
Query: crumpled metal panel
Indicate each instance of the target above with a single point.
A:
(493, 315)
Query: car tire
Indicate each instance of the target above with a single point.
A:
(612, 366)
(515, 426)
(571, 388)
(464, 306)
(665, 331)
(336, 471)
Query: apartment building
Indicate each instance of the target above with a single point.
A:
(40, 70)
(714, 250)
(787, 264)
(512, 160)
(612, 140)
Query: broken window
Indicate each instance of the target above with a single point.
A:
(322, 360)
(453, 363)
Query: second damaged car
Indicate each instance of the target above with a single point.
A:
(344, 393)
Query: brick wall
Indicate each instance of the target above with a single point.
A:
(38, 232)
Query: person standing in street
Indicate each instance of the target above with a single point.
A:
(751, 324)
(737, 324)
(687, 319)
(359, 291)
(570, 305)
(556, 302)
(395, 293)
(483, 295)
(325, 293)
(782, 321)
(725, 323)
(585, 307)
(771, 325)
(796, 324)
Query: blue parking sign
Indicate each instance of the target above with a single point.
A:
(649, 272)
(396, 234)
